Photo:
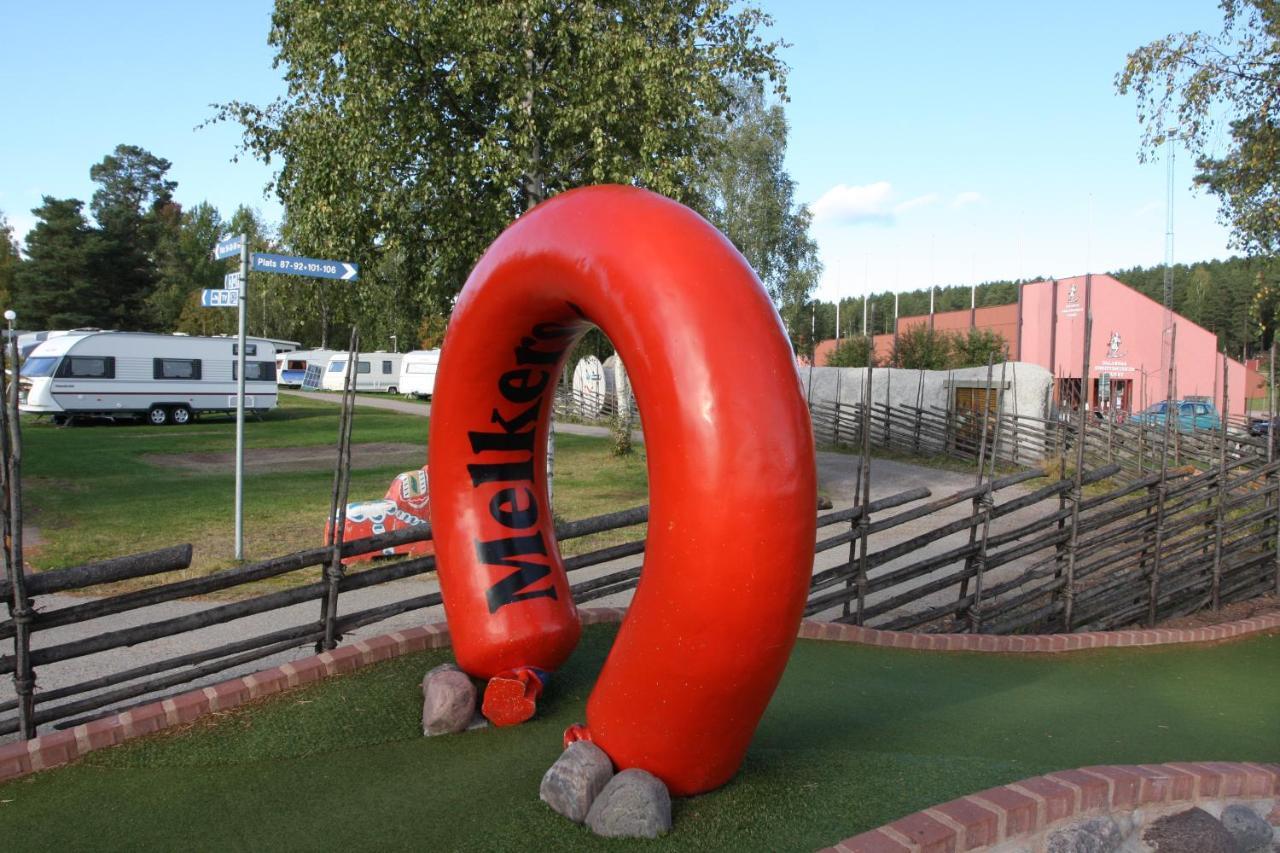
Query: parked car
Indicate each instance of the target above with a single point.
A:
(1262, 426)
(1192, 415)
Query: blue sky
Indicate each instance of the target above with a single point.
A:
(936, 141)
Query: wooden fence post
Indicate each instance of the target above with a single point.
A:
(1069, 588)
(1220, 515)
(20, 610)
(1162, 489)
(333, 570)
(987, 505)
(976, 514)
(919, 403)
(864, 522)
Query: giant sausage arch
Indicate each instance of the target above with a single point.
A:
(732, 487)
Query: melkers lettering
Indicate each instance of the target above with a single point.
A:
(516, 507)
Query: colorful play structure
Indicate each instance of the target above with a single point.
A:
(730, 449)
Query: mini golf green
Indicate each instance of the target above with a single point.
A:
(855, 737)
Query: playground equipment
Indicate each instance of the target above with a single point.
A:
(732, 486)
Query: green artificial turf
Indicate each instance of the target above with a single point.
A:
(855, 737)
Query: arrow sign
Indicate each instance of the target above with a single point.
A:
(228, 247)
(232, 280)
(310, 267)
(220, 298)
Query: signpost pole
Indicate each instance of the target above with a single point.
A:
(240, 373)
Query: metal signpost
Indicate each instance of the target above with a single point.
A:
(235, 292)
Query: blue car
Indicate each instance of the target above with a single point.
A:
(1193, 415)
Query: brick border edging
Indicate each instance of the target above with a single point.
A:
(1024, 809)
(1033, 643)
(51, 750)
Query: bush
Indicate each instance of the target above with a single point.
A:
(855, 351)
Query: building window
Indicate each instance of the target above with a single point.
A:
(176, 368)
(87, 367)
(255, 371)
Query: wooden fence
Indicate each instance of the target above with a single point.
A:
(1132, 444)
(1085, 548)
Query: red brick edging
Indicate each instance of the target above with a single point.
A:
(1022, 810)
(23, 757)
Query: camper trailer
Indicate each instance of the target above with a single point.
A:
(375, 371)
(291, 367)
(162, 378)
(418, 372)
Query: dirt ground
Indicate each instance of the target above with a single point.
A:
(271, 459)
(1228, 613)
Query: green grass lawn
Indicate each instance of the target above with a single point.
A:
(97, 492)
(856, 736)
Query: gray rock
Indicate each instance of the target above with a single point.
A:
(1192, 831)
(448, 700)
(1247, 827)
(635, 804)
(1096, 835)
(573, 782)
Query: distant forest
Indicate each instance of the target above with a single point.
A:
(1238, 299)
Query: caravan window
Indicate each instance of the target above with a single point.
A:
(176, 368)
(386, 367)
(416, 367)
(88, 367)
(39, 366)
(364, 367)
(249, 349)
(337, 366)
(255, 371)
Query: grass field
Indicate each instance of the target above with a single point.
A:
(107, 490)
(856, 736)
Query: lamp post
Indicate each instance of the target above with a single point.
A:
(395, 344)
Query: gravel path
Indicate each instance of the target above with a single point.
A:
(837, 473)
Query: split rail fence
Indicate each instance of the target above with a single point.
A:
(1085, 549)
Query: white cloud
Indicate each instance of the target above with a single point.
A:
(967, 198)
(918, 201)
(846, 205)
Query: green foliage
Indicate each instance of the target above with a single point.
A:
(919, 347)
(749, 196)
(977, 347)
(855, 351)
(431, 331)
(1189, 86)
(10, 260)
(59, 285)
(425, 129)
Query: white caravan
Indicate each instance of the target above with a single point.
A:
(375, 371)
(418, 372)
(291, 367)
(162, 378)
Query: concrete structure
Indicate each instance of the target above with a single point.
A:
(1128, 352)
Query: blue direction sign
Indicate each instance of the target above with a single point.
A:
(220, 298)
(232, 281)
(311, 267)
(228, 247)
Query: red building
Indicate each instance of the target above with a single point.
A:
(1128, 349)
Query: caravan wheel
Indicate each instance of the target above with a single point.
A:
(181, 416)
(157, 416)
(393, 390)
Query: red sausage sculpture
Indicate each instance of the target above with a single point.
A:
(732, 487)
